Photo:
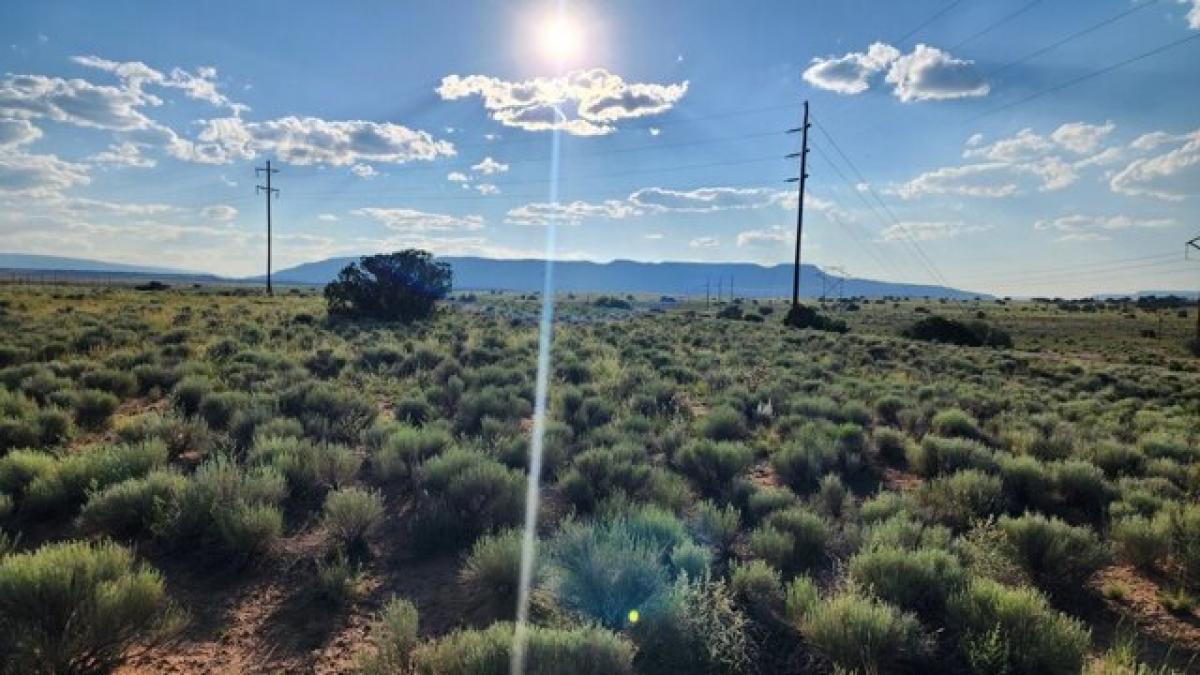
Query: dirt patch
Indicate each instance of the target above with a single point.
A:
(1141, 604)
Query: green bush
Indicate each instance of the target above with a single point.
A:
(399, 450)
(136, 506)
(758, 587)
(599, 473)
(218, 407)
(919, 581)
(960, 498)
(1013, 630)
(954, 423)
(696, 629)
(338, 578)
(859, 634)
(74, 607)
(190, 392)
(800, 597)
(549, 651)
(723, 423)
(717, 525)
(1141, 541)
(903, 531)
(1059, 557)
(93, 408)
(714, 464)
(232, 508)
(405, 286)
(467, 494)
(936, 456)
(1028, 483)
(393, 638)
(808, 533)
(892, 445)
(310, 468)
(63, 484)
(493, 568)
(328, 412)
(766, 500)
(1083, 488)
(352, 514)
(1183, 523)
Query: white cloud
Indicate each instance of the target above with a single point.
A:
(851, 73)
(489, 166)
(74, 101)
(38, 175)
(928, 230)
(991, 179)
(1193, 15)
(571, 213)
(310, 140)
(770, 237)
(705, 200)
(1173, 175)
(704, 242)
(1023, 146)
(487, 189)
(17, 132)
(652, 236)
(582, 102)
(123, 155)
(327, 218)
(364, 171)
(1080, 137)
(654, 131)
(220, 212)
(1080, 227)
(412, 221)
(200, 85)
(457, 177)
(930, 74)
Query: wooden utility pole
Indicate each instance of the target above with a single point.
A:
(803, 155)
(269, 191)
(1194, 242)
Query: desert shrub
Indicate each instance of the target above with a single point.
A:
(892, 445)
(328, 412)
(882, 506)
(1141, 541)
(189, 393)
(116, 382)
(154, 377)
(723, 423)
(74, 607)
(54, 427)
(803, 316)
(690, 560)
(414, 411)
(605, 568)
(1028, 483)
(859, 634)
(603, 472)
(401, 449)
(136, 506)
(1117, 459)
(716, 525)
(492, 570)
(1059, 557)
(954, 423)
(18, 433)
(218, 407)
(1183, 524)
(233, 508)
(958, 499)
(310, 468)
(950, 331)
(919, 581)
(393, 638)
(800, 597)
(325, 363)
(352, 514)
(1012, 630)
(714, 464)
(467, 494)
(1082, 487)
(338, 578)
(833, 499)
(935, 456)
(809, 534)
(758, 587)
(802, 464)
(404, 286)
(549, 651)
(695, 629)
(67, 483)
(502, 403)
(766, 500)
(94, 407)
(905, 532)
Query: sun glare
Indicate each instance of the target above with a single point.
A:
(560, 38)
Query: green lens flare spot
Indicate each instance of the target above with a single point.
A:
(634, 616)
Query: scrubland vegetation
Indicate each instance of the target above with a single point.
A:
(209, 478)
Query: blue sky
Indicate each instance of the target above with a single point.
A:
(954, 143)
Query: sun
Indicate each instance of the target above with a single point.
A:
(560, 38)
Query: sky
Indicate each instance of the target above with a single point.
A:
(1016, 147)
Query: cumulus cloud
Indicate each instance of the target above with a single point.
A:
(851, 73)
(928, 230)
(38, 175)
(487, 189)
(457, 177)
(704, 200)
(582, 102)
(122, 155)
(220, 212)
(1080, 137)
(1193, 15)
(1081, 227)
(413, 221)
(570, 213)
(769, 237)
(364, 171)
(489, 167)
(992, 179)
(73, 101)
(200, 84)
(930, 74)
(17, 132)
(310, 140)
(1172, 175)
(924, 74)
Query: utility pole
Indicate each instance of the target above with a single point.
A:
(803, 155)
(731, 296)
(1194, 242)
(269, 191)
(720, 284)
(707, 292)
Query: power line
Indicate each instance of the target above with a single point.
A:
(934, 17)
(1086, 76)
(996, 24)
(1071, 38)
(1081, 267)
(901, 227)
